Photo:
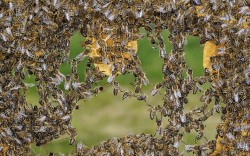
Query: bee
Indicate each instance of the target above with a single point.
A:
(51, 154)
(183, 118)
(163, 53)
(116, 88)
(97, 90)
(142, 97)
(72, 132)
(156, 88)
(236, 96)
(81, 149)
(202, 80)
(83, 31)
(152, 40)
(127, 94)
(196, 89)
(67, 82)
(10, 5)
(152, 113)
(200, 135)
(220, 131)
(117, 47)
(216, 108)
(189, 75)
(158, 119)
(138, 86)
(4, 37)
(105, 48)
(41, 142)
(111, 78)
(87, 42)
(197, 2)
(81, 56)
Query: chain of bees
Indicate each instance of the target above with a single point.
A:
(34, 42)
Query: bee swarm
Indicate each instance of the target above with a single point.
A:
(34, 41)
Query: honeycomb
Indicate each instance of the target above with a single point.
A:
(34, 42)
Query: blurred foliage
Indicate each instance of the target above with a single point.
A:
(101, 118)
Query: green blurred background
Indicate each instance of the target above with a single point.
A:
(105, 116)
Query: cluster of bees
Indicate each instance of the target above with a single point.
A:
(34, 42)
(140, 144)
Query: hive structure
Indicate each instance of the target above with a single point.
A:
(34, 42)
